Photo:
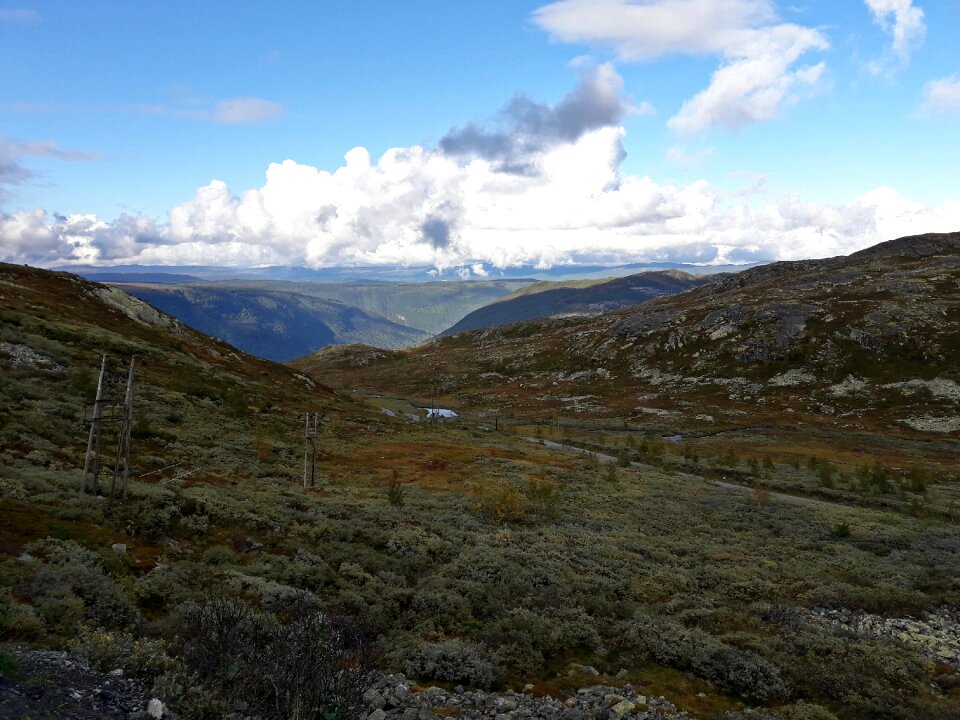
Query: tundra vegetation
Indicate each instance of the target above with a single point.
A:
(449, 551)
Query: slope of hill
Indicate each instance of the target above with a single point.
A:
(274, 325)
(428, 306)
(578, 297)
(55, 327)
(867, 341)
(474, 557)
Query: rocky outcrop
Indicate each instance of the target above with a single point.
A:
(134, 308)
(937, 636)
(24, 356)
(392, 696)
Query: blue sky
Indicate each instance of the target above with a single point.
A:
(704, 130)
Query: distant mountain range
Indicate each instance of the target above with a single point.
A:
(282, 313)
(378, 273)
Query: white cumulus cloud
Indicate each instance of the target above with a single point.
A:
(543, 186)
(756, 82)
(419, 206)
(650, 29)
(759, 73)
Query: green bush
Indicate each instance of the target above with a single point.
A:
(70, 585)
(139, 656)
(731, 669)
(854, 671)
(8, 666)
(302, 664)
(219, 555)
(453, 661)
(18, 621)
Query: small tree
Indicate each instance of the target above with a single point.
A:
(395, 489)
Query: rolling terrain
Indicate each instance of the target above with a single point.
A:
(284, 320)
(428, 306)
(470, 555)
(860, 343)
(577, 297)
(274, 325)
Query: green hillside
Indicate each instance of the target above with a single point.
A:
(786, 571)
(274, 325)
(428, 306)
(578, 297)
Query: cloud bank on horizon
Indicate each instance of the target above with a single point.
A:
(537, 184)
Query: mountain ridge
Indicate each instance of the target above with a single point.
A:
(595, 297)
(813, 341)
(273, 325)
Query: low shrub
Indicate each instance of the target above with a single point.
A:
(70, 585)
(304, 664)
(139, 656)
(8, 666)
(731, 669)
(219, 555)
(453, 661)
(18, 621)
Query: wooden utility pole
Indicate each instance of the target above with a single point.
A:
(310, 451)
(123, 442)
(91, 462)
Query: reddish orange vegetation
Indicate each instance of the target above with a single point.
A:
(21, 523)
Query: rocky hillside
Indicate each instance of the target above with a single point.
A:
(866, 342)
(195, 396)
(599, 584)
(549, 299)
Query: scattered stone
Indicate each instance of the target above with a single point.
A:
(156, 709)
(849, 387)
(598, 702)
(936, 636)
(24, 356)
(931, 423)
(792, 378)
(78, 692)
